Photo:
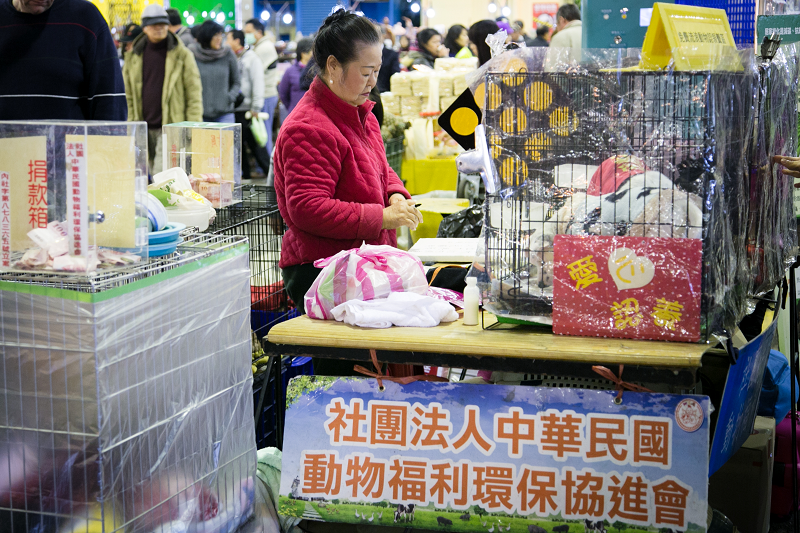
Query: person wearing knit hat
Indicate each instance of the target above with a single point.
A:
(154, 14)
(162, 82)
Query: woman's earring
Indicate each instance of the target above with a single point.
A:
(331, 81)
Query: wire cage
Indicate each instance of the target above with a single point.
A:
(126, 395)
(596, 152)
(395, 149)
(257, 218)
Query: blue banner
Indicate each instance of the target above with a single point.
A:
(458, 457)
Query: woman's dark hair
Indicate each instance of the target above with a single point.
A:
(339, 36)
(424, 36)
(207, 31)
(452, 36)
(478, 33)
(238, 35)
(304, 46)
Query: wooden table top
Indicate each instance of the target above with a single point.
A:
(518, 342)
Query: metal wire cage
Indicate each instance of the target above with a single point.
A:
(395, 149)
(257, 218)
(616, 153)
(125, 396)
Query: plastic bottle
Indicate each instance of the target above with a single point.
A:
(471, 295)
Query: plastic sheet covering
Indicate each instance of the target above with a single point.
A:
(772, 227)
(592, 147)
(129, 409)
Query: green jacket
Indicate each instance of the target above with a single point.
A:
(182, 95)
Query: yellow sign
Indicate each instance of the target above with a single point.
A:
(23, 158)
(212, 152)
(111, 188)
(693, 38)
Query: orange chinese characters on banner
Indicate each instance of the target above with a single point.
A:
(365, 476)
(408, 482)
(670, 498)
(608, 438)
(584, 272)
(344, 423)
(560, 434)
(472, 432)
(493, 486)
(322, 473)
(389, 424)
(651, 441)
(516, 429)
(432, 427)
(583, 493)
(628, 498)
(538, 491)
(450, 484)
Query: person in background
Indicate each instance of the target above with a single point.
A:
(542, 32)
(219, 73)
(334, 187)
(162, 83)
(456, 40)
(265, 49)
(430, 47)
(569, 31)
(519, 35)
(58, 61)
(175, 26)
(390, 63)
(129, 33)
(252, 75)
(289, 89)
(477, 35)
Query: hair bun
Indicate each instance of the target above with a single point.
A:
(337, 15)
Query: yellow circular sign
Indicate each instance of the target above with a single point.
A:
(464, 121)
(480, 95)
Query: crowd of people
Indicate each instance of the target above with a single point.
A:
(172, 73)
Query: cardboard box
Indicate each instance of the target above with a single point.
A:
(742, 488)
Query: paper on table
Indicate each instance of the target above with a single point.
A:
(207, 155)
(111, 177)
(451, 250)
(16, 156)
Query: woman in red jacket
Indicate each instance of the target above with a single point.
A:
(335, 188)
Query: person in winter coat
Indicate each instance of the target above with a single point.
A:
(176, 26)
(430, 47)
(218, 71)
(334, 187)
(566, 43)
(162, 83)
(252, 74)
(264, 47)
(289, 89)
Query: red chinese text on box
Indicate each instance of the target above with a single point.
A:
(5, 222)
(76, 198)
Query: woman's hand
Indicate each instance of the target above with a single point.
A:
(401, 212)
(791, 166)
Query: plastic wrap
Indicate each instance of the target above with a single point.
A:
(70, 191)
(129, 409)
(592, 147)
(772, 226)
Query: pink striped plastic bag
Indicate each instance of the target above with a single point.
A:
(365, 273)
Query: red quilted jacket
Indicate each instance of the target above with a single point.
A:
(331, 178)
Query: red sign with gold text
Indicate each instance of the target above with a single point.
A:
(627, 287)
